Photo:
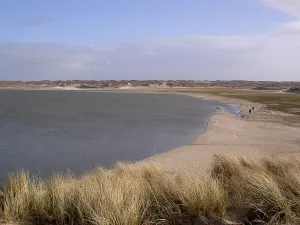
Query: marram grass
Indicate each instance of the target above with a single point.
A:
(236, 190)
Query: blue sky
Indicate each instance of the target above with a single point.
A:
(80, 22)
(150, 39)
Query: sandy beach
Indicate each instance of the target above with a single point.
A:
(263, 132)
(237, 191)
(255, 134)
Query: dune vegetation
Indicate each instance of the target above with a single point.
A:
(277, 101)
(236, 190)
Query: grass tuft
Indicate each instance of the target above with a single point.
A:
(239, 189)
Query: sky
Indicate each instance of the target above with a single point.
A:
(150, 39)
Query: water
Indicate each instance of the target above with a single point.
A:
(53, 131)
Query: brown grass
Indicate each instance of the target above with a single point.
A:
(265, 190)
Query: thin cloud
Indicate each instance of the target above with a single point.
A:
(292, 27)
(36, 21)
(248, 57)
(265, 56)
(291, 7)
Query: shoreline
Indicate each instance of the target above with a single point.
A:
(183, 184)
(224, 133)
(197, 126)
(265, 115)
(229, 134)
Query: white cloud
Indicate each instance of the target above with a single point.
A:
(289, 28)
(257, 57)
(272, 56)
(291, 7)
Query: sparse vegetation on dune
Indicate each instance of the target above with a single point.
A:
(260, 191)
(282, 102)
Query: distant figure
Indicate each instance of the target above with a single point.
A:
(249, 111)
(252, 108)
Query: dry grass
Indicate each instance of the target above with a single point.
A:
(236, 189)
(265, 190)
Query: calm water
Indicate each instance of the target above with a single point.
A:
(52, 131)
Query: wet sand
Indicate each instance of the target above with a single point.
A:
(255, 134)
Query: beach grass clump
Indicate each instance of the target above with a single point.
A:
(127, 194)
(239, 189)
(265, 189)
